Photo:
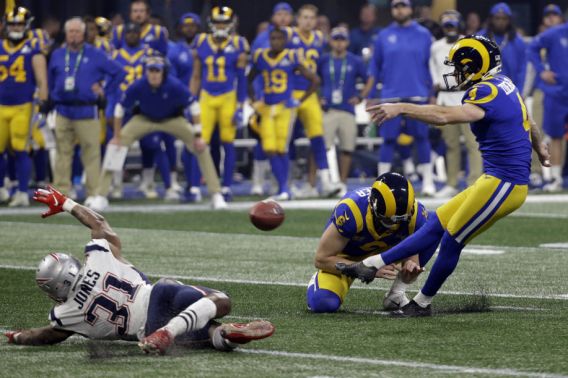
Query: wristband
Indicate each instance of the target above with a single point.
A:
(69, 204)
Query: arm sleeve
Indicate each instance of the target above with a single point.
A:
(539, 42)
(376, 60)
(522, 63)
(115, 74)
(162, 45)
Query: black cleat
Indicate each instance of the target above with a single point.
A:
(358, 270)
(412, 310)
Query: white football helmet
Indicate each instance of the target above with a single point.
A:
(56, 274)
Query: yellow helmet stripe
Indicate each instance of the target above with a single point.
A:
(482, 50)
(388, 197)
(410, 198)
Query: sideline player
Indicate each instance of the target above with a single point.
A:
(106, 297)
(365, 222)
(504, 131)
(219, 80)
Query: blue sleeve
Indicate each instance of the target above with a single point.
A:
(521, 55)
(114, 72)
(540, 42)
(130, 97)
(347, 218)
(482, 95)
(115, 41)
(426, 62)
(376, 60)
(421, 216)
(162, 44)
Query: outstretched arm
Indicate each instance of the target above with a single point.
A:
(100, 229)
(432, 114)
(37, 336)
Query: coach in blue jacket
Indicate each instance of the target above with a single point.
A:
(400, 62)
(75, 74)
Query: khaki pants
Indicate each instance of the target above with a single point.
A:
(451, 135)
(67, 132)
(342, 124)
(139, 126)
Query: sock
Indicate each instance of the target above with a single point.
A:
(163, 165)
(147, 155)
(386, 152)
(229, 164)
(40, 164)
(76, 166)
(173, 175)
(280, 167)
(333, 166)
(171, 152)
(194, 317)
(422, 300)
(258, 152)
(147, 176)
(258, 172)
(423, 149)
(427, 175)
(408, 167)
(556, 172)
(444, 265)
(23, 170)
(383, 168)
(440, 164)
(221, 343)
(320, 154)
(195, 173)
(546, 173)
(427, 237)
(2, 169)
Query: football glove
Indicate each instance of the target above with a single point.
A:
(53, 198)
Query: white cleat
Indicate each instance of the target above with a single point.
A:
(4, 195)
(446, 192)
(20, 199)
(554, 186)
(99, 204)
(284, 196)
(394, 301)
(149, 191)
(116, 193)
(429, 190)
(218, 202)
(256, 190)
(172, 195)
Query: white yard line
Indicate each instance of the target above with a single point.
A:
(404, 364)
(304, 284)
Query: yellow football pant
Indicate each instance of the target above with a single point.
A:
(309, 113)
(475, 209)
(15, 126)
(276, 122)
(218, 110)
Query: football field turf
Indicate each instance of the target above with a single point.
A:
(504, 312)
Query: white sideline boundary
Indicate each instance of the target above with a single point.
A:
(305, 284)
(405, 364)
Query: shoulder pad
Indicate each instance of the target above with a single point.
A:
(97, 245)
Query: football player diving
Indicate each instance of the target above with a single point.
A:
(106, 297)
(505, 133)
(366, 222)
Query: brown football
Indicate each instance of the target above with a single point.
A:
(266, 215)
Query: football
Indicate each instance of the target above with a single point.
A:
(266, 215)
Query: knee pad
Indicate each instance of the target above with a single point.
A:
(322, 300)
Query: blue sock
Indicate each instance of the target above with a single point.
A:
(169, 143)
(319, 151)
(285, 164)
(425, 239)
(2, 169)
(386, 151)
(322, 300)
(258, 152)
(76, 166)
(278, 165)
(186, 158)
(195, 173)
(404, 151)
(147, 156)
(23, 170)
(215, 149)
(40, 162)
(423, 150)
(229, 164)
(11, 167)
(444, 265)
(163, 165)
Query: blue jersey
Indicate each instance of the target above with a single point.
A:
(219, 62)
(400, 61)
(275, 73)
(504, 133)
(17, 79)
(104, 45)
(349, 69)
(131, 59)
(167, 101)
(154, 36)
(555, 42)
(181, 61)
(513, 56)
(309, 52)
(353, 219)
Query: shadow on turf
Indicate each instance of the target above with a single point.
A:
(103, 350)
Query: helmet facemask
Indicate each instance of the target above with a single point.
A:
(222, 32)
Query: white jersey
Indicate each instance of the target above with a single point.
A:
(109, 300)
(438, 54)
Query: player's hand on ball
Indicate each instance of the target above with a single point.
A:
(410, 271)
(383, 112)
(53, 198)
(388, 272)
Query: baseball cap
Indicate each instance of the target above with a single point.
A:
(132, 27)
(282, 6)
(501, 8)
(552, 8)
(189, 18)
(339, 33)
(395, 3)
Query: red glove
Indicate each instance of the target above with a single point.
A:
(11, 335)
(52, 198)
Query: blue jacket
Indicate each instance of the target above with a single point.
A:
(400, 61)
(513, 57)
(95, 67)
(167, 101)
(181, 60)
(555, 42)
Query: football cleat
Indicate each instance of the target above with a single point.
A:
(412, 310)
(227, 193)
(218, 201)
(157, 343)
(358, 270)
(171, 195)
(4, 194)
(242, 333)
(20, 199)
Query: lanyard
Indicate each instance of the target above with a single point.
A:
(77, 62)
(341, 75)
